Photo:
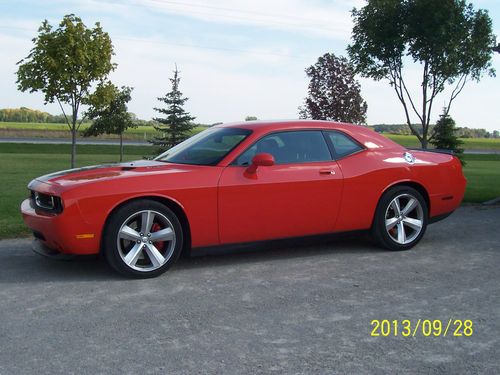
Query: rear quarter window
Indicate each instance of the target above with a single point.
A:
(343, 144)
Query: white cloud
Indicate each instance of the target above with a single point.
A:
(305, 17)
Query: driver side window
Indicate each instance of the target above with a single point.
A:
(289, 148)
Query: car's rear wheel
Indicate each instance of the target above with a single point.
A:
(142, 239)
(400, 219)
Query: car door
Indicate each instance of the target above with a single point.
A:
(298, 196)
(360, 177)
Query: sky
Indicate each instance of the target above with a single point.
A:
(236, 58)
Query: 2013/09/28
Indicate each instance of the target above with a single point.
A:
(426, 327)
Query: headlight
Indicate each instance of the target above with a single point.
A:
(46, 202)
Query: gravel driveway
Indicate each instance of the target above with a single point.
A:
(305, 309)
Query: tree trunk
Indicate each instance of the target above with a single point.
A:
(424, 138)
(121, 147)
(73, 146)
(424, 143)
(73, 135)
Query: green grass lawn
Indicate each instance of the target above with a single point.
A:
(53, 130)
(483, 177)
(35, 126)
(469, 143)
(20, 163)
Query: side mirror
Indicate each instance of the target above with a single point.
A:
(260, 160)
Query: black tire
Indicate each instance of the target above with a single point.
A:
(115, 248)
(388, 238)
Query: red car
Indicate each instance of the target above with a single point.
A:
(240, 183)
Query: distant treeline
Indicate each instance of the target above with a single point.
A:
(464, 132)
(29, 115)
(24, 114)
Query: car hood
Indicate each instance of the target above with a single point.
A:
(95, 173)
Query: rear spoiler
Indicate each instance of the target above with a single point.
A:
(436, 150)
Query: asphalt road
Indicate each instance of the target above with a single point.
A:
(291, 310)
(92, 141)
(80, 141)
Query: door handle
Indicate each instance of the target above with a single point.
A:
(326, 171)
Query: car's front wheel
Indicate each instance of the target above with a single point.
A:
(400, 219)
(142, 239)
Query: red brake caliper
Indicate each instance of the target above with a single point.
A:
(159, 244)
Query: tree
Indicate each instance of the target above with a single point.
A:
(108, 109)
(445, 137)
(333, 92)
(449, 41)
(64, 64)
(177, 125)
(251, 118)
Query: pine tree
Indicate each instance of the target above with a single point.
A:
(444, 137)
(177, 124)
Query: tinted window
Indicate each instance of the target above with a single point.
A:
(206, 148)
(343, 144)
(289, 147)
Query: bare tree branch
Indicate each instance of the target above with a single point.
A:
(458, 88)
(425, 80)
(409, 97)
(64, 113)
(81, 121)
(397, 84)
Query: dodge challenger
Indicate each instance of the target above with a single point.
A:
(243, 183)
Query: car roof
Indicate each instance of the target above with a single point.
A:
(363, 134)
(283, 124)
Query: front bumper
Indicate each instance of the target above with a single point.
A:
(40, 248)
(65, 233)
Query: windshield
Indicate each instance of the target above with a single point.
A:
(206, 148)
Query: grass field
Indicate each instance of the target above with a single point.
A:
(19, 163)
(469, 143)
(51, 130)
(483, 177)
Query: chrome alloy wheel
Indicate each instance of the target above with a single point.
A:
(404, 219)
(146, 240)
